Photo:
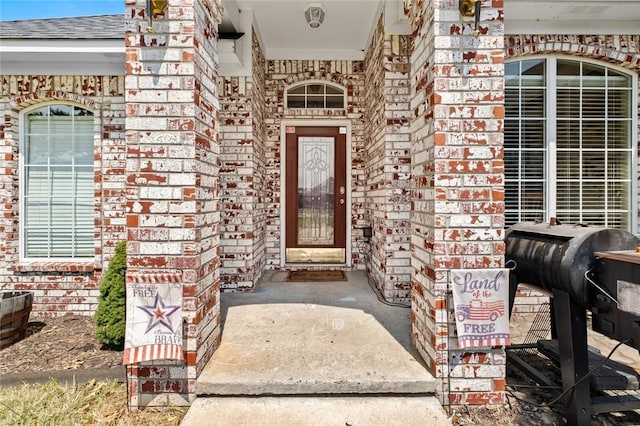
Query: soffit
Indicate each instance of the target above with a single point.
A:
(349, 24)
(285, 34)
(571, 17)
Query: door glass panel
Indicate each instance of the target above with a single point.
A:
(316, 177)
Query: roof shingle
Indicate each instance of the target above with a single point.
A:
(82, 27)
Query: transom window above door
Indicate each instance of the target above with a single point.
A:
(570, 142)
(315, 94)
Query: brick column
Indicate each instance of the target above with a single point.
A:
(172, 172)
(388, 162)
(457, 191)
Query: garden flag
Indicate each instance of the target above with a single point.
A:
(481, 300)
(153, 322)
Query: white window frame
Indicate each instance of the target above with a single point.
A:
(551, 62)
(22, 122)
(324, 83)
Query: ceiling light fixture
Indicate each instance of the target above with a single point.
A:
(314, 14)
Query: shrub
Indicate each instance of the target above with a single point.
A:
(110, 315)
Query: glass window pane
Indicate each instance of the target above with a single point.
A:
(568, 134)
(618, 135)
(568, 103)
(295, 102)
(38, 112)
(532, 73)
(568, 68)
(594, 103)
(298, 90)
(335, 102)
(37, 149)
(619, 104)
(593, 165)
(533, 133)
(618, 79)
(618, 167)
(593, 75)
(58, 189)
(593, 134)
(533, 101)
(61, 149)
(315, 102)
(315, 89)
(533, 164)
(61, 110)
(568, 164)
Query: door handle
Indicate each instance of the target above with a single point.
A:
(341, 200)
(342, 190)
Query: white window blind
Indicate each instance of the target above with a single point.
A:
(525, 149)
(58, 183)
(582, 162)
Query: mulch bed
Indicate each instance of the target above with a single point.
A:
(65, 343)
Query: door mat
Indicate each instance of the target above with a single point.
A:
(303, 276)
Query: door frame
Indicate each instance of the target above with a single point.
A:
(283, 182)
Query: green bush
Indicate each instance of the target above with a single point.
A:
(110, 315)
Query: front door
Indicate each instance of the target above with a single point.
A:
(316, 198)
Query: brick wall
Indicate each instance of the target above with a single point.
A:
(242, 176)
(62, 288)
(279, 74)
(173, 191)
(457, 185)
(388, 162)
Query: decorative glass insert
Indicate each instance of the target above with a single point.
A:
(317, 95)
(316, 181)
(57, 186)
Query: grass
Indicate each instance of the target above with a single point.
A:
(93, 403)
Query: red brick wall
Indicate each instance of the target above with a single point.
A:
(242, 176)
(457, 185)
(173, 189)
(69, 287)
(388, 162)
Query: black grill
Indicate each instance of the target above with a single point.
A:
(586, 269)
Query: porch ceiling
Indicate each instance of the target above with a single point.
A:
(285, 34)
(348, 24)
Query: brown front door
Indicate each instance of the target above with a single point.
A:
(316, 197)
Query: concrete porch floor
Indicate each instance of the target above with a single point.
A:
(314, 353)
(320, 337)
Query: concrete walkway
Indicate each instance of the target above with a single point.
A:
(314, 353)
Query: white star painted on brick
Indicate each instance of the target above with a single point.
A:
(159, 314)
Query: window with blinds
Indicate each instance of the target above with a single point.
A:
(568, 143)
(57, 184)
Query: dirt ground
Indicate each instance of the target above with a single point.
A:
(69, 343)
